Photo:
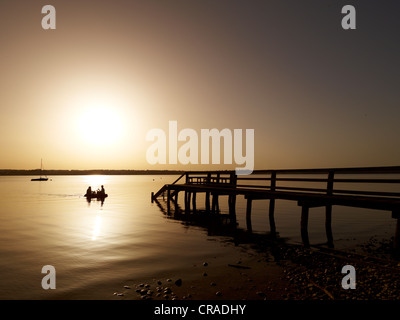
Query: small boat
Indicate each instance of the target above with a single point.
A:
(96, 195)
(41, 178)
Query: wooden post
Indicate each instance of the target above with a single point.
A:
(194, 202)
(233, 179)
(232, 205)
(176, 200)
(168, 201)
(328, 226)
(272, 205)
(187, 202)
(304, 225)
(248, 215)
(328, 211)
(215, 206)
(271, 217)
(189, 198)
(208, 202)
(396, 240)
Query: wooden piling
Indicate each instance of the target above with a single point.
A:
(304, 226)
(271, 217)
(328, 226)
(215, 204)
(232, 205)
(187, 202)
(248, 214)
(194, 202)
(176, 200)
(207, 202)
(271, 212)
(168, 201)
(396, 239)
(328, 211)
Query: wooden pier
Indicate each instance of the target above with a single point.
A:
(369, 187)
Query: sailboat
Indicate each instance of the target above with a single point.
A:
(41, 178)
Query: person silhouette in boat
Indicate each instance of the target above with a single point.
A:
(89, 191)
(102, 192)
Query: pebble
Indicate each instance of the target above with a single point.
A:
(127, 287)
(205, 264)
(178, 282)
(167, 290)
(218, 293)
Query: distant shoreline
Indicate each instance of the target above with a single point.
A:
(34, 172)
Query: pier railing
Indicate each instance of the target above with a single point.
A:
(370, 181)
(221, 178)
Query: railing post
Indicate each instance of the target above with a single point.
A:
(233, 179)
(329, 188)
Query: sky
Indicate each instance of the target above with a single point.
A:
(84, 95)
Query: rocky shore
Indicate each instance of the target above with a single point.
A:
(278, 272)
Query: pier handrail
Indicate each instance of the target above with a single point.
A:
(279, 180)
(164, 187)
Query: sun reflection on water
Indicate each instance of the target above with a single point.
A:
(95, 181)
(97, 227)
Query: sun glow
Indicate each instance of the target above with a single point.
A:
(100, 122)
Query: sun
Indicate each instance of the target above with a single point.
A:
(100, 123)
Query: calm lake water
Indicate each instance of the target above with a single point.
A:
(96, 246)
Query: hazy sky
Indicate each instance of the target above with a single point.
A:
(315, 94)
